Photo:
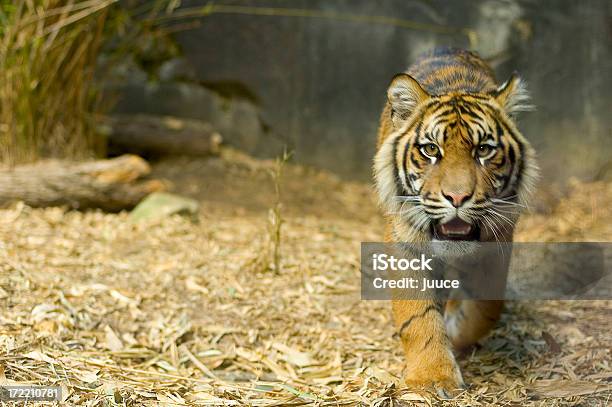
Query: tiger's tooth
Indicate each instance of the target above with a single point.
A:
(456, 227)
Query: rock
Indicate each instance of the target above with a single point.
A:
(236, 118)
(162, 204)
(177, 69)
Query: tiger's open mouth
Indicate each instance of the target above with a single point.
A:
(455, 229)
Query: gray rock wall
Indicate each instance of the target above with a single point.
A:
(317, 84)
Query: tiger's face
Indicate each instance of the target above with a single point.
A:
(455, 167)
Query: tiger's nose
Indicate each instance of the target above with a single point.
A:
(457, 198)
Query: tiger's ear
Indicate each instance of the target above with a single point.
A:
(404, 95)
(512, 96)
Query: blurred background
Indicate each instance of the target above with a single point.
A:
(312, 74)
(309, 76)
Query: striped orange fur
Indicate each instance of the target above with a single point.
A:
(449, 153)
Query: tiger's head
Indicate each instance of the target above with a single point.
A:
(453, 166)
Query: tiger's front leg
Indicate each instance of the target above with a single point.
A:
(468, 321)
(430, 363)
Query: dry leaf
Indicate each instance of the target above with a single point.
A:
(293, 356)
(382, 375)
(87, 376)
(567, 388)
(192, 285)
(112, 339)
(41, 357)
(411, 397)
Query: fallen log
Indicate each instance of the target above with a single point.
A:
(111, 185)
(161, 135)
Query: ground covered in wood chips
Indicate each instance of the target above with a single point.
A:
(176, 312)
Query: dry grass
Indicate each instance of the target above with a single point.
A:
(168, 313)
(275, 215)
(48, 52)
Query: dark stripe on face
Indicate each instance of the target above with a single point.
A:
(409, 147)
(502, 161)
(414, 160)
(467, 111)
(511, 155)
(521, 164)
(517, 163)
(429, 137)
(501, 143)
(398, 182)
(512, 169)
(501, 178)
(479, 126)
(498, 128)
(478, 97)
(441, 119)
(438, 110)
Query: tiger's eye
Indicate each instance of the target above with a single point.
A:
(431, 150)
(484, 150)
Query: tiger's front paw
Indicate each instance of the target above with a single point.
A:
(441, 377)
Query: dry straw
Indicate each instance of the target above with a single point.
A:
(48, 53)
(166, 312)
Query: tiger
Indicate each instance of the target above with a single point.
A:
(448, 154)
